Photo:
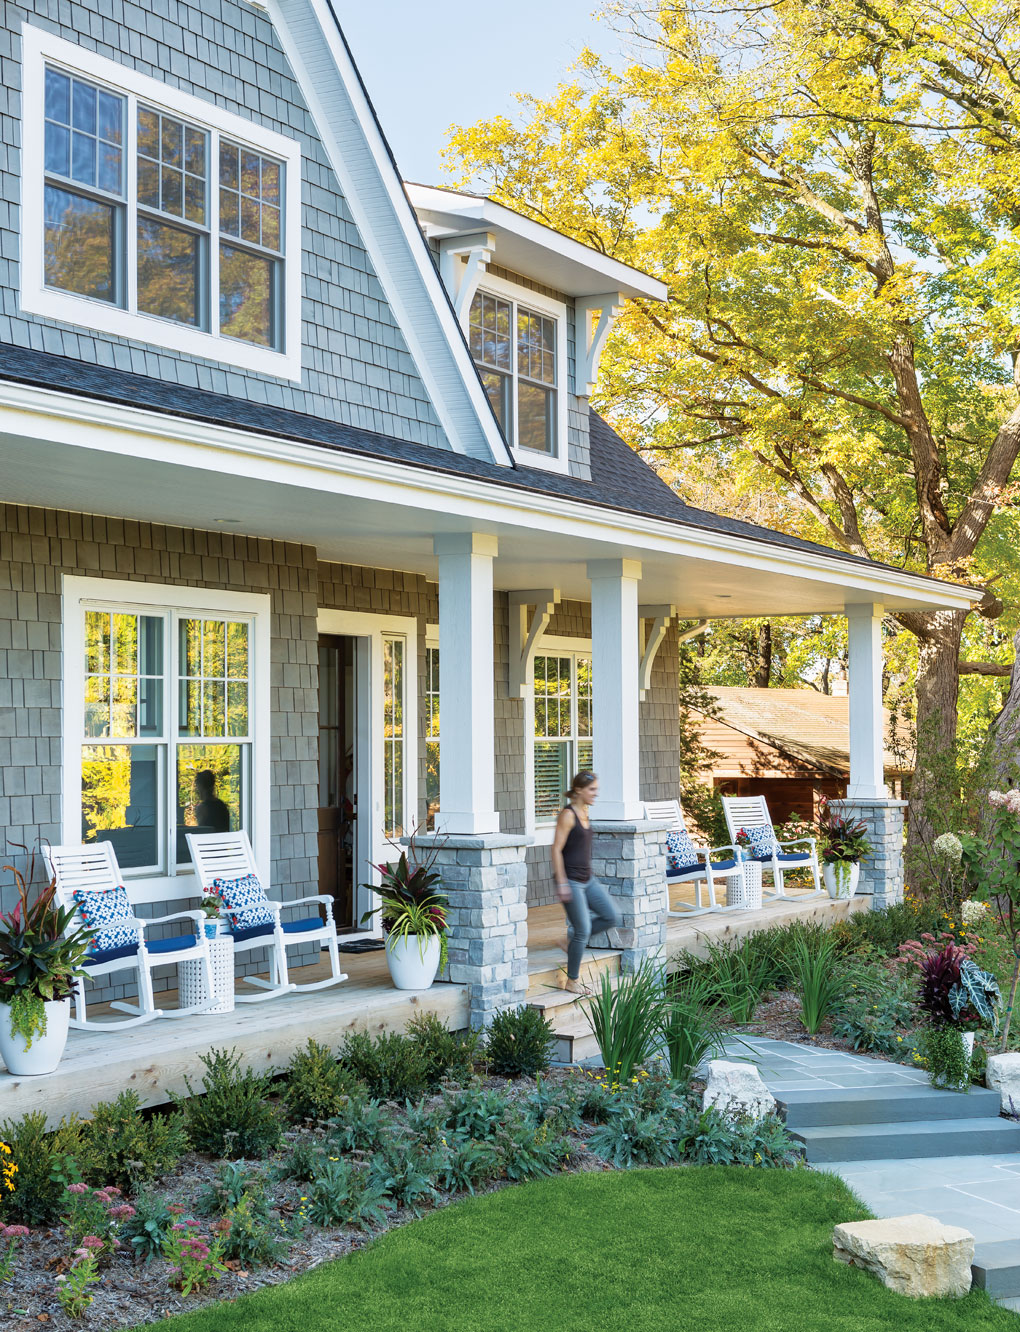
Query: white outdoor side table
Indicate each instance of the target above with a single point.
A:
(743, 886)
(192, 982)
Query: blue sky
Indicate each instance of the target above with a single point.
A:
(428, 66)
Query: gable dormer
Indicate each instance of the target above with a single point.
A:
(536, 308)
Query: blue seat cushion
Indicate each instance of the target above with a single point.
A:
(177, 944)
(786, 858)
(289, 927)
(675, 872)
(96, 956)
(700, 869)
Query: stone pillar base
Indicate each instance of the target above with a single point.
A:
(630, 861)
(485, 877)
(882, 871)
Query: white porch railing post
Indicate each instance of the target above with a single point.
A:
(864, 684)
(616, 686)
(467, 802)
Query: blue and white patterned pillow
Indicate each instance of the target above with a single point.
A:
(245, 900)
(680, 852)
(101, 911)
(763, 842)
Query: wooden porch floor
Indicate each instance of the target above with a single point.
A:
(156, 1058)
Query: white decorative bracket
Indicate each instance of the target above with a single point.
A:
(461, 279)
(652, 639)
(524, 634)
(591, 335)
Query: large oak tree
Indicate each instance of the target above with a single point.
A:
(831, 188)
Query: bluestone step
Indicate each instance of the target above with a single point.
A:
(901, 1141)
(996, 1267)
(895, 1104)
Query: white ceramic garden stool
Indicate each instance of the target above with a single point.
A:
(192, 982)
(743, 888)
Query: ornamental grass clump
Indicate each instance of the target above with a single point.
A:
(691, 1030)
(626, 1015)
(817, 981)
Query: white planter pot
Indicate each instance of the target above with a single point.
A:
(413, 961)
(45, 1052)
(968, 1042)
(841, 879)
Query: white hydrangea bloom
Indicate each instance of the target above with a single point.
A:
(949, 847)
(972, 911)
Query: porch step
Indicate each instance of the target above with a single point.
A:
(894, 1141)
(996, 1268)
(546, 978)
(575, 1039)
(884, 1105)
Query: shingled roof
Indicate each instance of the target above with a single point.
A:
(619, 478)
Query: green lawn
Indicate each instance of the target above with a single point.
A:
(706, 1249)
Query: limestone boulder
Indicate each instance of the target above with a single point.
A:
(914, 1255)
(737, 1090)
(1003, 1076)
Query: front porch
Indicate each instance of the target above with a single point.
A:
(154, 1060)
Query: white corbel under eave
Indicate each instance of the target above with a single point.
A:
(652, 639)
(591, 334)
(461, 278)
(524, 636)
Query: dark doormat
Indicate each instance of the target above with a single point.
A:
(363, 946)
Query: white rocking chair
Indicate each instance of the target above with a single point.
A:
(751, 812)
(670, 814)
(229, 856)
(94, 869)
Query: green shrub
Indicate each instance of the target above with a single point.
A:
(528, 1150)
(557, 1106)
(464, 1163)
(317, 1085)
(47, 1163)
(404, 1171)
(708, 1137)
(882, 932)
(392, 1067)
(477, 1112)
(122, 1146)
(447, 1055)
(233, 1118)
(249, 1237)
(631, 1136)
(146, 1231)
(302, 1161)
(626, 1016)
(519, 1043)
(227, 1187)
(341, 1194)
(944, 1055)
(875, 1010)
(361, 1126)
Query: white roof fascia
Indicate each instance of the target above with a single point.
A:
(353, 142)
(115, 428)
(557, 260)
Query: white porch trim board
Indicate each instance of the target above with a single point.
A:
(467, 776)
(616, 692)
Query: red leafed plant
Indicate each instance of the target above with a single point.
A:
(940, 974)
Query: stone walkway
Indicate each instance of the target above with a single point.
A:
(979, 1193)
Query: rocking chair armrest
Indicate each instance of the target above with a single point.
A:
(726, 846)
(196, 916)
(323, 899)
(799, 841)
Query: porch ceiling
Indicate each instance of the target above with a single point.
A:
(373, 513)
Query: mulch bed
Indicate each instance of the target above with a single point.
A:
(133, 1293)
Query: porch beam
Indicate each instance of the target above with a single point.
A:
(467, 803)
(524, 636)
(652, 639)
(616, 676)
(864, 687)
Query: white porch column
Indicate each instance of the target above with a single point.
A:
(864, 683)
(616, 686)
(466, 705)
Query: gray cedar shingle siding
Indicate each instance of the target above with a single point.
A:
(357, 369)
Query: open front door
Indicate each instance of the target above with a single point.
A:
(339, 776)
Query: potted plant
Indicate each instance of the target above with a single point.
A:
(213, 923)
(413, 918)
(844, 842)
(956, 995)
(742, 844)
(40, 959)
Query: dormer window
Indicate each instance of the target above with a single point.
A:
(156, 216)
(518, 343)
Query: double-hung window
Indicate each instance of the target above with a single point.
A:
(162, 718)
(518, 344)
(162, 218)
(562, 728)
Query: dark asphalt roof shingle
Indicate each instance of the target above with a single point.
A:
(620, 479)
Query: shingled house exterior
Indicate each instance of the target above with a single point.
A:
(301, 489)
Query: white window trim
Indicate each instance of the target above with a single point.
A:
(147, 598)
(38, 48)
(373, 628)
(547, 646)
(534, 300)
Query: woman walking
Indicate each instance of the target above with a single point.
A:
(589, 907)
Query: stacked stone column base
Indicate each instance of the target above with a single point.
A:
(882, 871)
(485, 878)
(629, 859)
